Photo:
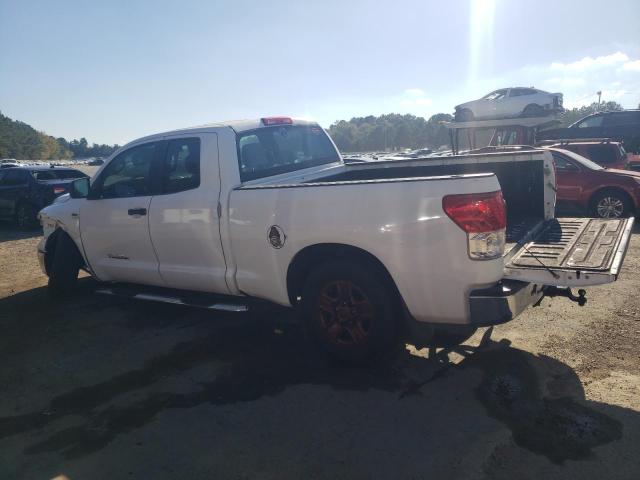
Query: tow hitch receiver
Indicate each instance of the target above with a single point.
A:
(552, 291)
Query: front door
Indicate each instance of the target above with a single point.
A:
(114, 220)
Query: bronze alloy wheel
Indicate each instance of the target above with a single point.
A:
(346, 314)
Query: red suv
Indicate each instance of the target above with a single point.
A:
(604, 152)
(585, 187)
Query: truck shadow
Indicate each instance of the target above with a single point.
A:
(10, 232)
(540, 399)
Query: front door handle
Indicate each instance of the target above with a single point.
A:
(137, 211)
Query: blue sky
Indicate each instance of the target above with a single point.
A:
(116, 70)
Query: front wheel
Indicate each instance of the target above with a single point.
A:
(611, 204)
(348, 311)
(465, 115)
(63, 274)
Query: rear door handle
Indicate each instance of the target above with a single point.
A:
(137, 211)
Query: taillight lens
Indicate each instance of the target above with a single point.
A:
(483, 216)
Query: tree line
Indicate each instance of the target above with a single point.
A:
(390, 132)
(23, 142)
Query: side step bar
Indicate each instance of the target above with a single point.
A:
(153, 297)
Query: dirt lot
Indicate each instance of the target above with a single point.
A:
(97, 387)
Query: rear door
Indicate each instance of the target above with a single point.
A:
(573, 252)
(183, 217)
(114, 221)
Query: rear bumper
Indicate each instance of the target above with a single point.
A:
(502, 302)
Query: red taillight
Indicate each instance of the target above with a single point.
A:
(476, 212)
(266, 121)
(59, 190)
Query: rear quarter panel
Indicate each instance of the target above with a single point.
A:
(400, 222)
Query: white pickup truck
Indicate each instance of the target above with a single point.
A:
(225, 215)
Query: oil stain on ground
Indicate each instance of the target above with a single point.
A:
(558, 428)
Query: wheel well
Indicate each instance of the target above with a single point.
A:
(307, 258)
(613, 190)
(50, 248)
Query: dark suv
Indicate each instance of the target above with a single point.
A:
(24, 191)
(622, 126)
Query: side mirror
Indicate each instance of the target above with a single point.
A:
(79, 188)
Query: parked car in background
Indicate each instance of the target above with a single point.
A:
(605, 153)
(24, 191)
(621, 126)
(510, 102)
(584, 187)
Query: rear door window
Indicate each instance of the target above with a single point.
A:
(602, 154)
(622, 118)
(181, 167)
(275, 150)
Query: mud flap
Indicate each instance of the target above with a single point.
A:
(572, 252)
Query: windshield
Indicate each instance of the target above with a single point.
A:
(274, 150)
(580, 159)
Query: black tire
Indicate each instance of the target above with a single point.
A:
(451, 337)
(349, 312)
(26, 216)
(465, 115)
(63, 274)
(610, 204)
(533, 111)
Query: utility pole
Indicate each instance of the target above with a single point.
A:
(599, 95)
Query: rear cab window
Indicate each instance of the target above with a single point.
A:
(274, 150)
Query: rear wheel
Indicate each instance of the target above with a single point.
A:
(533, 111)
(26, 216)
(610, 204)
(63, 274)
(349, 312)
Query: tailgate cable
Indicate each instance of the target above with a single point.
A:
(553, 274)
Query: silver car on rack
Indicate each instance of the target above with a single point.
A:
(510, 102)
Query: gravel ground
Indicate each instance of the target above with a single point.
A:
(98, 387)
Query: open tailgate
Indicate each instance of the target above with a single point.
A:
(572, 252)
